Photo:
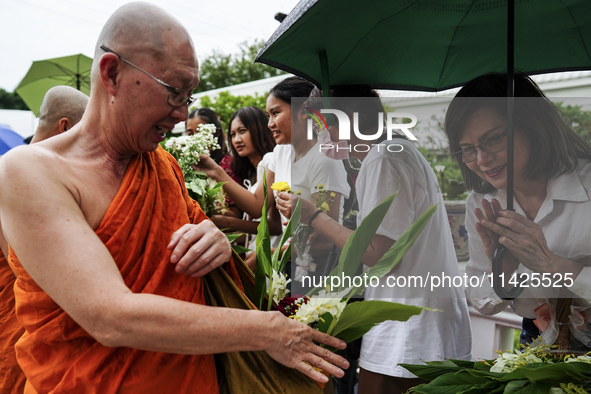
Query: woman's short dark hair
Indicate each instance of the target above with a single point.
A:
(360, 98)
(553, 144)
(209, 116)
(292, 87)
(254, 119)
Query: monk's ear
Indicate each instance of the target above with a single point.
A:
(109, 68)
(63, 125)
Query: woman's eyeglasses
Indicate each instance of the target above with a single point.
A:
(491, 145)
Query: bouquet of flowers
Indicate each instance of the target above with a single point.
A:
(186, 150)
(535, 369)
(327, 309)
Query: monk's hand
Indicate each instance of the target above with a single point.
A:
(199, 248)
(295, 345)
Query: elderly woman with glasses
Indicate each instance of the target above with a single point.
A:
(548, 234)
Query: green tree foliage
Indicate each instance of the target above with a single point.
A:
(11, 101)
(220, 70)
(225, 104)
(578, 119)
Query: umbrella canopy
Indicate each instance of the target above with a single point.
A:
(9, 139)
(426, 45)
(432, 45)
(72, 71)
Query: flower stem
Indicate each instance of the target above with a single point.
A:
(270, 298)
(332, 324)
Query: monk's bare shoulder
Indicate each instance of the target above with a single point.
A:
(35, 168)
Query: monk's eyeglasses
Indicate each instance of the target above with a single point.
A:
(176, 96)
(491, 145)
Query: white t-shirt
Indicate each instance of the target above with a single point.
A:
(565, 218)
(430, 335)
(313, 169)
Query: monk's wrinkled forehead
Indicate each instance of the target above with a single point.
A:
(142, 28)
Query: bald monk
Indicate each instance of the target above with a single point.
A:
(109, 250)
(62, 108)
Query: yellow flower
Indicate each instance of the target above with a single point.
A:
(320, 186)
(324, 206)
(281, 186)
(298, 193)
(332, 194)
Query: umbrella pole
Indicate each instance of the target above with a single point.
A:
(323, 58)
(510, 99)
(499, 256)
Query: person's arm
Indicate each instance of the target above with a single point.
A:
(71, 264)
(245, 226)
(233, 212)
(251, 203)
(284, 203)
(339, 234)
(4, 246)
(3, 243)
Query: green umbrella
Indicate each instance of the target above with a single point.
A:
(432, 45)
(72, 71)
(429, 45)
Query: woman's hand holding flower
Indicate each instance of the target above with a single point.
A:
(209, 167)
(283, 203)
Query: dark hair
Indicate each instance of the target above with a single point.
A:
(209, 116)
(556, 146)
(254, 119)
(360, 98)
(292, 87)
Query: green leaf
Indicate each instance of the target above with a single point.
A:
(357, 243)
(551, 373)
(285, 258)
(295, 218)
(353, 333)
(515, 386)
(324, 325)
(263, 268)
(233, 236)
(467, 364)
(528, 388)
(369, 313)
(461, 382)
(433, 370)
(240, 249)
(402, 244)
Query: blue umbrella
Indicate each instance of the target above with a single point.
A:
(9, 139)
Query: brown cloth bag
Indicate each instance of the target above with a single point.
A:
(250, 372)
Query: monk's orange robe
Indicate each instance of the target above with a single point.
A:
(58, 356)
(12, 378)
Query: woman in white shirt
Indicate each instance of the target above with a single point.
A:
(283, 121)
(392, 166)
(548, 234)
(251, 146)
